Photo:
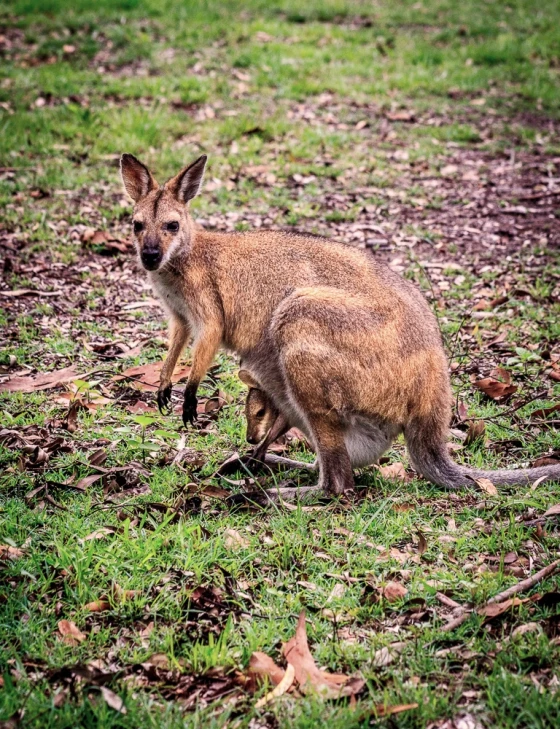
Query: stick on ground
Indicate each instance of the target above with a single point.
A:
(521, 586)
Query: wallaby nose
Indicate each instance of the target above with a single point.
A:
(251, 439)
(151, 257)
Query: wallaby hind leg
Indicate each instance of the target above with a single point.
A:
(335, 469)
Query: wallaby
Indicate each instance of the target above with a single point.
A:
(348, 351)
(265, 424)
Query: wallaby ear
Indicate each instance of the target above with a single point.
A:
(137, 178)
(188, 182)
(247, 378)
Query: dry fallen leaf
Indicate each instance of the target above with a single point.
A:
(8, 552)
(146, 377)
(309, 676)
(526, 628)
(487, 486)
(42, 381)
(387, 654)
(70, 632)
(384, 710)
(234, 540)
(394, 591)
(394, 471)
(98, 606)
(475, 431)
(422, 543)
(260, 664)
(338, 591)
(497, 608)
(112, 700)
(553, 511)
(97, 534)
(543, 412)
(494, 388)
(403, 115)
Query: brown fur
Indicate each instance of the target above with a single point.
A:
(260, 413)
(347, 350)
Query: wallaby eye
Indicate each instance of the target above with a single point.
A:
(260, 413)
(172, 227)
(138, 227)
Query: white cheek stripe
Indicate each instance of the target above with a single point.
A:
(169, 253)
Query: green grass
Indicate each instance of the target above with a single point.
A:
(269, 88)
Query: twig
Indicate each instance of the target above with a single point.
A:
(447, 600)
(506, 594)
(539, 195)
(525, 584)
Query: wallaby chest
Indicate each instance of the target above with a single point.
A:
(171, 292)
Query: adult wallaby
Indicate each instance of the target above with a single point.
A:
(348, 351)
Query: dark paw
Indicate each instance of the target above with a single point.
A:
(189, 409)
(258, 454)
(164, 400)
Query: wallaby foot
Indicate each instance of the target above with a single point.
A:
(164, 400)
(189, 407)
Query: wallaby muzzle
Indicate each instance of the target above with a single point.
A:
(151, 255)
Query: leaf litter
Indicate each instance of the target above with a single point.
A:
(308, 678)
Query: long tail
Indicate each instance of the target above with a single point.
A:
(429, 456)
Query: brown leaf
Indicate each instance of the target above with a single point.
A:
(71, 421)
(494, 609)
(234, 540)
(112, 700)
(8, 552)
(70, 632)
(146, 377)
(98, 458)
(494, 388)
(97, 534)
(545, 461)
(394, 591)
(487, 486)
(462, 411)
(403, 115)
(395, 471)
(476, 430)
(139, 407)
(41, 382)
(308, 675)
(553, 510)
(260, 664)
(384, 710)
(422, 543)
(83, 483)
(543, 412)
(98, 606)
(502, 374)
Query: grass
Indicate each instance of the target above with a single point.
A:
(279, 89)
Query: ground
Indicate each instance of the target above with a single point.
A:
(426, 131)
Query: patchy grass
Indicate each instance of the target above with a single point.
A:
(424, 131)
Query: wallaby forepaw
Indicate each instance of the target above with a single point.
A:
(189, 409)
(164, 400)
